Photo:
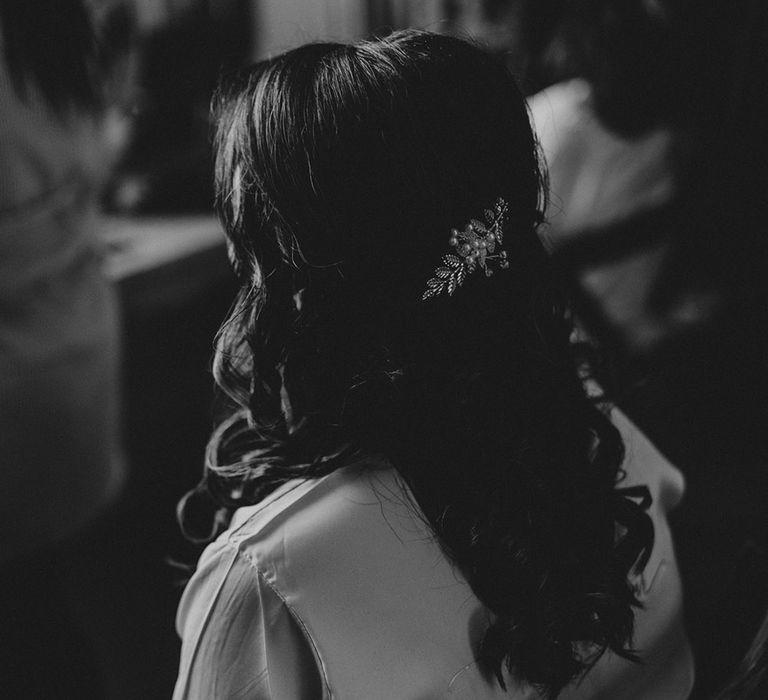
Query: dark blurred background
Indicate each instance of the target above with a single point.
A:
(669, 279)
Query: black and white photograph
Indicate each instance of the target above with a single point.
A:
(383, 350)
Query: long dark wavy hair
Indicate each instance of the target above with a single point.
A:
(340, 171)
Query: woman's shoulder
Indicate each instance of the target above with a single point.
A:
(358, 517)
(351, 560)
(359, 493)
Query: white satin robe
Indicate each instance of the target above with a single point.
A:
(335, 588)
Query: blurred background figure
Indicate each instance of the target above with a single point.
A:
(636, 88)
(61, 462)
(59, 344)
(94, 96)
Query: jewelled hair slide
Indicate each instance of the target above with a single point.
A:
(475, 248)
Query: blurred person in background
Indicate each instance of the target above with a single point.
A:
(61, 461)
(59, 329)
(652, 130)
(616, 130)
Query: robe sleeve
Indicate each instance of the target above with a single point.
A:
(239, 638)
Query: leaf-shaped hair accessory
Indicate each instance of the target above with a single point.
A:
(475, 247)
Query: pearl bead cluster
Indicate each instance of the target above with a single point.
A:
(475, 246)
(477, 251)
